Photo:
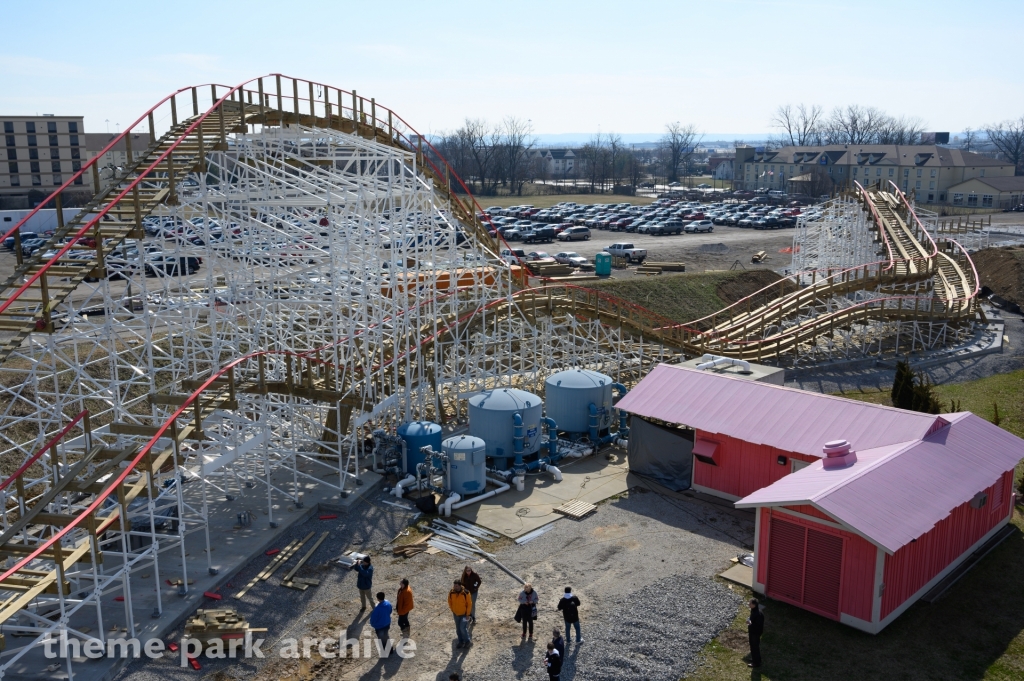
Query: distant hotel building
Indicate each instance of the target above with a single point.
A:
(42, 153)
(933, 173)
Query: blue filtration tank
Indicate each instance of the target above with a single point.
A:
(491, 419)
(467, 456)
(418, 434)
(569, 395)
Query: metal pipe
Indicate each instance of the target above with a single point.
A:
(501, 487)
(592, 409)
(517, 440)
(552, 443)
(712, 361)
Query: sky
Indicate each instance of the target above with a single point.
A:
(567, 67)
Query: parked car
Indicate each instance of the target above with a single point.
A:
(570, 258)
(575, 233)
(538, 235)
(513, 256)
(25, 236)
(627, 251)
(539, 256)
(700, 226)
(171, 265)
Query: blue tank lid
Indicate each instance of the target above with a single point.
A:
(578, 378)
(505, 399)
(418, 429)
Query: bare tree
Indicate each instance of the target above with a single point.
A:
(853, 124)
(902, 130)
(616, 159)
(1008, 138)
(969, 139)
(677, 144)
(516, 142)
(482, 143)
(799, 126)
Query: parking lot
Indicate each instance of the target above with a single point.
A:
(725, 246)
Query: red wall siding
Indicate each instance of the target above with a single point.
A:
(743, 467)
(761, 557)
(858, 581)
(917, 563)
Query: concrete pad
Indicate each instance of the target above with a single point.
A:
(593, 478)
(740, 574)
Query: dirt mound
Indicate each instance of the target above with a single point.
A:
(1002, 270)
(713, 248)
(748, 282)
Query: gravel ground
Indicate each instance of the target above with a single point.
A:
(878, 378)
(643, 567)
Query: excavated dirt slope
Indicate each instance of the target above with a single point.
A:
(1002, 270)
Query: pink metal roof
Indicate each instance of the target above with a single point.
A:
(762, 413)
(896, 493)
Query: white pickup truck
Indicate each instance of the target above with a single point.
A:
(626, 250)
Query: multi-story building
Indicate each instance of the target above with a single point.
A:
(42, 153)
(926, 170)
(117, 155)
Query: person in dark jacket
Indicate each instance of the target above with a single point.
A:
(553, 662)
(558, 642)
(525, 613)
(570, 607)
(471, 582)
(364, 582)
(755, 626)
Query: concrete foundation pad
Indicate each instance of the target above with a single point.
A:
(593, 478)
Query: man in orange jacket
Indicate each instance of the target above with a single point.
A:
(461, 604)
(403, 605)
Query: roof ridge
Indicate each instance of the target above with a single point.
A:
(773, 386)
(868, 468)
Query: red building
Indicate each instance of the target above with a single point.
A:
(886, 507)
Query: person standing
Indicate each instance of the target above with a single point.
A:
(380, 621)
(553, 662)
(461, 604)
(403, 605)
(364, 582)
(755, 627)
(527, 611)
(471, 582)
(558, 642)
(569, 604)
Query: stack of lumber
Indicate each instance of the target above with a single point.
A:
(412, 548)
(648, 269)
(577, 277)
(549, 269)
(223, 624)
(667, 266)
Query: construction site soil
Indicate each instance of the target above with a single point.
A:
(1002, 270)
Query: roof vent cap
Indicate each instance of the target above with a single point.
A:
(838, 454)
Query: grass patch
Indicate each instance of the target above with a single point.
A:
(686, 297)
(974, 396)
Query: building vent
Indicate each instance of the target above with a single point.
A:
(838, 454)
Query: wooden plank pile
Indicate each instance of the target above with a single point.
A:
(222, 624)
(659, 267)
(549, 269)
(413, 548)
(576, 509)
(300, 583)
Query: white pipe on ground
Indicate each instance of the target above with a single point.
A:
(399, 489)
(446, 505)
(501, 487)
(555, 472)
(520, 483)
(622, 443)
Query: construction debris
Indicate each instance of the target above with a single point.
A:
(303, 584)
(412, 548)
(530, 536)
(221, 624)
(279, 560)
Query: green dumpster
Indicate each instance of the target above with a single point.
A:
(603, 264)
